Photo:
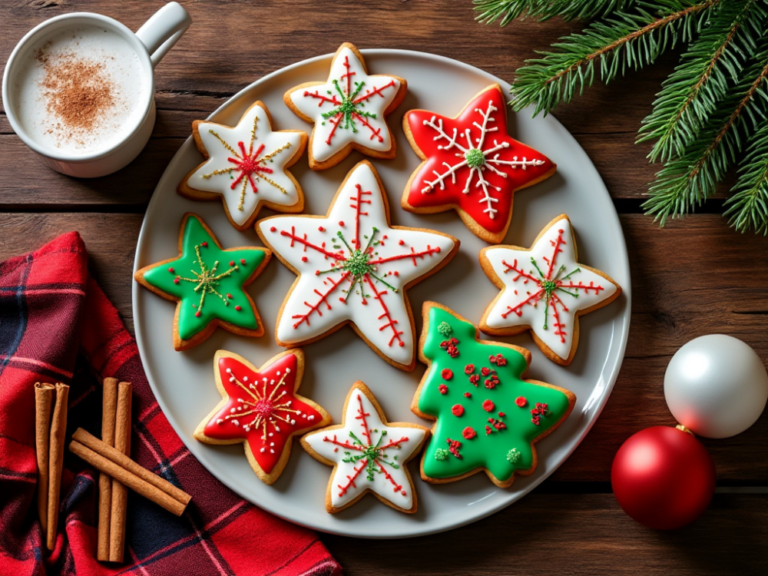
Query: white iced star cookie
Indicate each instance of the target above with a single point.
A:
(544, 290)
(354, 267)
(348, 110)
(368, 454)
(246, 166)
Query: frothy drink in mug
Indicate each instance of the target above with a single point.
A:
(81, 91)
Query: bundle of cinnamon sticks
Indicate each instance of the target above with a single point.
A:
(110, 455)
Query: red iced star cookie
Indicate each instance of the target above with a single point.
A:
(471, 164)
(260, 408)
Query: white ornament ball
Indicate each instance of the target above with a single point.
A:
(716, 386)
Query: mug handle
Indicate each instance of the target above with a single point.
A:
(163, 30)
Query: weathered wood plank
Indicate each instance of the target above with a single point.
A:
(692, 278)
(574, 534)
(209, 65)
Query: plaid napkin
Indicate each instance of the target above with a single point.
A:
(57, 325)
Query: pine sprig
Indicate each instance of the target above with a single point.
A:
(508, 10)
(622, 41)
(748, 207)
(694, 90)
(687, 181)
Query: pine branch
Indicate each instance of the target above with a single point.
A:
(508, 10)
(694, 90)
(748, 207)
(620, 42)
(687, 181)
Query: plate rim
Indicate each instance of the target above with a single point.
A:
(419, 529)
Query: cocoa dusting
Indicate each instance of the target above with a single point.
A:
(78, 91)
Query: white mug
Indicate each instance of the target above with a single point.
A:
(151, 42)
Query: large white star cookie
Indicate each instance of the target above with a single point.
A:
(544, 290)
(354, 267)
(368, 454)
(246, 166)
(348, 110)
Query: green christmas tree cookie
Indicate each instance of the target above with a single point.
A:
(487, 417)
(208, 284)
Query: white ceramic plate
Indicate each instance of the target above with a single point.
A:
(183, 381)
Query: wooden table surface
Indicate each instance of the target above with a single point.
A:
(693, 277)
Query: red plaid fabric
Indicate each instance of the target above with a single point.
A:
(57, 325)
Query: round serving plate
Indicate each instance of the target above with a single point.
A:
(183, 382)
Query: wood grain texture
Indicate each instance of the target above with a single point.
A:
(692, 278)
(562, 535)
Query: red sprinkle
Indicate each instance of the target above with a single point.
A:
(238, 308)
(501, 414)
(485, 371)
(175, 280)
(469, 368)
(447, 374)
(457, 409)
(204, 244)
(488, 406)
(521, 401)
(341, 222)
(443, 389)
(304, 258)
(402, 242)
(468, 433)
(231, 262)
(242, 261)
(197, 314)
(321, 229)
(171, 270)
(273, 229)
(229, 295)
(467, 395)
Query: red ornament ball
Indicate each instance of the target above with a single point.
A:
(663, 477)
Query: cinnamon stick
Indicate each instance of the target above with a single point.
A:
(127, 478)
(120, 466)
(44, 394)
(108, 414)
(119, 491)
(56, 461)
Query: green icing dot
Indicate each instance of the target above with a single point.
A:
(445, 329)
(513, 456)
(441, 454)
(475, 158)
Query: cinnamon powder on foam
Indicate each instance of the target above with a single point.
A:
(78, 91)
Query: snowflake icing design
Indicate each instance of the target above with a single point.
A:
(246, 165)
(545, 287)
(368, 453)
(471, 162)
(348, 108)
(353, 267)
(260, 407)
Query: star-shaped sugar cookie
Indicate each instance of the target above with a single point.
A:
(368, 454)
(348, 110)
(544, 290)
(246, 166)
(208, 283)
(354, 267)
(261, 409)
(471, 164)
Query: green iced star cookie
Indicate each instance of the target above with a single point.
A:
(208, 284)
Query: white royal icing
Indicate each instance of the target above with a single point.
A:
(351, 478)
(334, 132)
(523, 300)
(311, 245)
(222, 175)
